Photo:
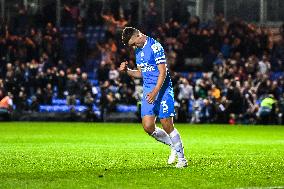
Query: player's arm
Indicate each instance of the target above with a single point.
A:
(161, 78)
(160, 60)
(133, 73)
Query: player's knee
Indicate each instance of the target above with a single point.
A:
(168, 125)
(149, 128)
(168, 128)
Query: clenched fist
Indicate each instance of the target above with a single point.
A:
(123, 66)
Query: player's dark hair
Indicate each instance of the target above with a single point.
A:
(127, 33)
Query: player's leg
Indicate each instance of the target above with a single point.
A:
(149, 125)
(166, 113)
(167, 129)
(168, 126)
(148, 114)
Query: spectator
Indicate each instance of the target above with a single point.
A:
(215, 92)
(21, 102)
(89, 101)
(207, 112)
(185, 90)
(61, 82)
(226, 48)
(6, 106)
(7, 102)
(264, 65)
(48, 94)
(267, 110)
(85, 86)
(235, 98)
(34, 107)
(113, 73)
(196, 114)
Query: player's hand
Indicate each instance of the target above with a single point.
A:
(151, 97)
(123, 66)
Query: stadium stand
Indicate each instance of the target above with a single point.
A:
(221, 70)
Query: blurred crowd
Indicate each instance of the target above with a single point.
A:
(222, 71)
(238, 62)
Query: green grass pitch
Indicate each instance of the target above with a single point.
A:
(113, 155)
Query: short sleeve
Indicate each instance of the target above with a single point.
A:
(159, 54)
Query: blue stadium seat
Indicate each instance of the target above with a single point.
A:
(66, 109)
(276, 75)
(95, 34)
(29, 100)
(184, 74)
(57, 101)
(126, 108)
(95, 108)
(91, 67)
(198, 75)
(94, 82)
(80, 108)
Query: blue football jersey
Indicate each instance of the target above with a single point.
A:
(148, 58)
